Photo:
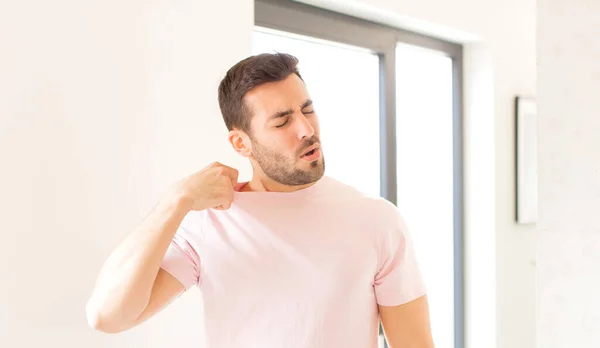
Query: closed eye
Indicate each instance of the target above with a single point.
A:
(283, 124)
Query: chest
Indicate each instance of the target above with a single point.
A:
(295, 254)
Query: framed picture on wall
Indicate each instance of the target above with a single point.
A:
(526, 160)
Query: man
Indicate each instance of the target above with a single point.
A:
(291, 258)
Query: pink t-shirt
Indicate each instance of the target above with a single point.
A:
(305, 269)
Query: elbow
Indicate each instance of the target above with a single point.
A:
(100, 322)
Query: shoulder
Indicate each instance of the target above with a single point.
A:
(194, 218)
(192, 225)
(336, 188)
(375, 207)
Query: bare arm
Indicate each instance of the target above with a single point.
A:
(124, 288)
(131, 286)
(407, 325)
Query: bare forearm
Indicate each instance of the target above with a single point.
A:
(125, 282)
(407, 325)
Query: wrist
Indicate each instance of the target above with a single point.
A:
(179, 200)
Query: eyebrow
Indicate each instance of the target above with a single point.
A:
(290, 111)
(306, 104)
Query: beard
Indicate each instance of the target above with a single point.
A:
(282, 169)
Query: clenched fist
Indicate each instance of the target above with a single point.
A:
(212, 187)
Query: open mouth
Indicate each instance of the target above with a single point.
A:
(310, 152)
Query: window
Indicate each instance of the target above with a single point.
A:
(425, 173)
(401, 104)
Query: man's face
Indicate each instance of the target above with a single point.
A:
(285, 132)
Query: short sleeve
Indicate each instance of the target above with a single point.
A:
(398, 279)
(181, 259)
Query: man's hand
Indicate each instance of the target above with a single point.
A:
(407, 325)
(212, 187)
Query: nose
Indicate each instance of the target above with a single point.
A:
(304, 128)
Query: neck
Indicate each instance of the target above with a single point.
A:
(264, 184)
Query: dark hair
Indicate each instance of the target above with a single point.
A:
(247, 74)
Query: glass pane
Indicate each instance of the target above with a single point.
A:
(344, 84)
(425, 174)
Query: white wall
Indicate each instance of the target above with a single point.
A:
(569, 181)
(102, 105)
(500, 58)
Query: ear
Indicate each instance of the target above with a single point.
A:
(241, 142)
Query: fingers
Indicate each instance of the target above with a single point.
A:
(226, 203)
(222, 179)
(230, 177)
(230, 172)
(233, 175)
(223, 206)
